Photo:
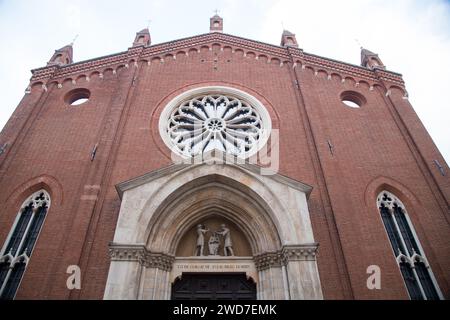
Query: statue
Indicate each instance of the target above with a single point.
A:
(228, 246)
(201, 230)
(214, 243)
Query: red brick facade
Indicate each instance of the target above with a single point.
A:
(348, 156)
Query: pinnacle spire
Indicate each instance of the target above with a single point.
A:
(62, 56)
(370, 59)
(142, 38)
(216, 23)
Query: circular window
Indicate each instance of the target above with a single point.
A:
(77, 97)
(352, 99)
(211, 118)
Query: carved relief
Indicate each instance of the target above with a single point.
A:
(214, 236)
(215, 241)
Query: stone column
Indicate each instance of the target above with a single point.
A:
(271, 285)
(290, 273)
(155, 281)
(302, 272)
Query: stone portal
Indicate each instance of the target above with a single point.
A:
(171, 219)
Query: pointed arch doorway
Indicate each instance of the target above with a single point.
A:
(158, 216)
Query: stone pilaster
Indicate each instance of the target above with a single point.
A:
(289, 273)
(136, 273)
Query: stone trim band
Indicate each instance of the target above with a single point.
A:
(119, 252)
(304, 252)
(163, 261)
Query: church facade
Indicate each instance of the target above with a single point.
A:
(217, 167)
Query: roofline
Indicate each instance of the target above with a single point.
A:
(350, 64)
(225, 34)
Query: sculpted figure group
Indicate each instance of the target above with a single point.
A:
(214, 241)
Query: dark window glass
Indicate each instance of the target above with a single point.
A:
(410, 280)
(13, 282)
(19, 230)
(405, 230)
(4, 268)
(425, 281)
(391, 230)
(33, 233)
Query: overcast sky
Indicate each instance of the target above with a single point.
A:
(411, 37)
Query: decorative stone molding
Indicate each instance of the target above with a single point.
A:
(119, 252)
(158, 260)
(306, 252)
(303, 252)
(139, 253)
(268, 260)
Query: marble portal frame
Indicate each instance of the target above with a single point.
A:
(158, 208)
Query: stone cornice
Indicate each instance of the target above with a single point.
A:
(172, 47)
(302, 252)
(139, 253)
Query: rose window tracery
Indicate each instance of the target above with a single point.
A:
(221, 121)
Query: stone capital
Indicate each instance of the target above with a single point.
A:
(139, 253)
(302, 252)
(268, 260)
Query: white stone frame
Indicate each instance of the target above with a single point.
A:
(158, 208)
(409, 259)
(220, 90)
(13, 259)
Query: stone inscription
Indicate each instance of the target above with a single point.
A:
(212, 267)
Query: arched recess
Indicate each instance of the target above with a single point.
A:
(211, 221)
(381, 183)
(209, 194)
(21, 192)
(158, 209)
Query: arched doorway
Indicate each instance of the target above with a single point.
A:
(154, 242)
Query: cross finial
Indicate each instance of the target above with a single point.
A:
(148, 23)
(359, 44)
(216, 12)
(73, 41)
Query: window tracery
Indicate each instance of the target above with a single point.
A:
(21, 240)
(416, 271)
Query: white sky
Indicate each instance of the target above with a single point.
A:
(411, 37)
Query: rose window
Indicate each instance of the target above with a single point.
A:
(220, 121)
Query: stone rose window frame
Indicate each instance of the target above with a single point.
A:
(215, 118)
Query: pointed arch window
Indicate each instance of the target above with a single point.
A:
(17, 249)
(414, 267)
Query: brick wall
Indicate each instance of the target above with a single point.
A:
(380, 145)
